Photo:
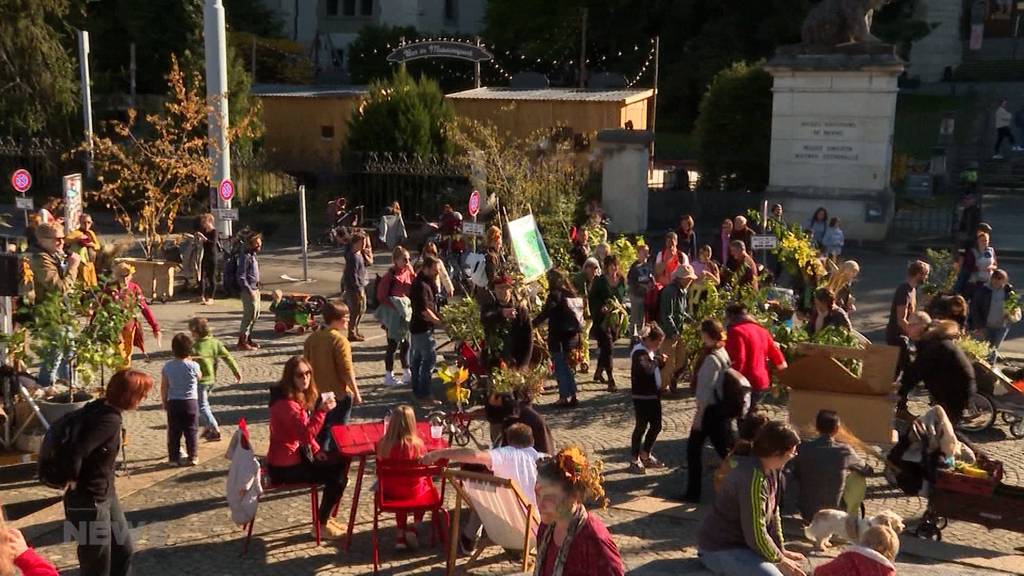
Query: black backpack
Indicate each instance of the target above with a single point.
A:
(231, 286)
(60, 461)
(735, 395)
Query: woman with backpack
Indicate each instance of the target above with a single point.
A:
(715, 410)
(563, 334)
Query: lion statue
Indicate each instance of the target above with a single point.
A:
(834, 22)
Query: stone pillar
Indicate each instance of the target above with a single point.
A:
(625, 161)
(833, 115)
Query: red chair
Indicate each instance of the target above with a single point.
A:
(432, 501)
(314, 498)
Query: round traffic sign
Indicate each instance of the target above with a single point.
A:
(21, 180)
(474, 203)
(226, 189)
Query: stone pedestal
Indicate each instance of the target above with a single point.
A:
(625, 162)
(833, 114)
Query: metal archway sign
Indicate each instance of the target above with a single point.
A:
(440, 49)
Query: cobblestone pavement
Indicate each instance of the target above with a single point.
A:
(183, 527)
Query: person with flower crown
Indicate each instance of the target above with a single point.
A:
(571, 541)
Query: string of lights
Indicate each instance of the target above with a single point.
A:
(643, 69)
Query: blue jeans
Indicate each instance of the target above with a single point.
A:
(422, 356)
(340, 415)
(737, 562)
(563, 375)
(206, 419)
(995, 337)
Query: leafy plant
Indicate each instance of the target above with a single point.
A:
(626, 249)
(525, 383)
(975, 349)
(943, 272)
(462, 321)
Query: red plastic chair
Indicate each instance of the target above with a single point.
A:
(432, 501)
(314, 500)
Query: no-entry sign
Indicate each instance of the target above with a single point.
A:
(226, 189)
(474, 203)
(21, 180)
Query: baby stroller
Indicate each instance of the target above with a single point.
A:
(291, 310)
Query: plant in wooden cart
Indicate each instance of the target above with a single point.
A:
(149, 171)
(462, 321)
(976, 350)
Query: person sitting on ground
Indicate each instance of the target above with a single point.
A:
(516, 461)
(179, 392)
(297, 413)
(647, 387)
(742, 534)
(748, 429)
(826, 313)
(941, 364)
(402, 444)
(15, 553)
(570, 540)
(873, 556)
(208, 351)
(828, 471)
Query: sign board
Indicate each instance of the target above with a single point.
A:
(24, 203)
(72, 200)
(440, 49)
(226, 189)
(764, 242)
(473, 228)
(531, 254)
(474, 203)
(227, 214)
(21, 180)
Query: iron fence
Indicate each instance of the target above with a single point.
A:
(420, 184)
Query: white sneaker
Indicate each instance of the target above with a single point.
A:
(407, 376)
(389, 379)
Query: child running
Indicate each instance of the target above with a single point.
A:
(207, 351)
(401, 443)
(179, 393)
(645, 376)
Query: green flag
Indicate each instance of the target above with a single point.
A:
(531, 254)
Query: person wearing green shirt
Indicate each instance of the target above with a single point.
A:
(206, 351)
(607, 295)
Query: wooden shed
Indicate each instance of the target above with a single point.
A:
(306, 126)
(518, 113)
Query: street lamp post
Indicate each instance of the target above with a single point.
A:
(217, 99)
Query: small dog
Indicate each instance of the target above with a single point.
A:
(828, 523)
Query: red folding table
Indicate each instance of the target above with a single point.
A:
(360, 441)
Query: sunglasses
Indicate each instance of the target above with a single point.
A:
(303, 374)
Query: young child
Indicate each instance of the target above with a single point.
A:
(833, 240)
(645, 377)
(874, 556)
(179, 391)
(401, 443)
(207, 351)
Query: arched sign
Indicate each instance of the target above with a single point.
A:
(440, 49)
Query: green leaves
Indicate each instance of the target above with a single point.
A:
(462, 321)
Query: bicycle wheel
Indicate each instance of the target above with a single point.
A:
(979, 415)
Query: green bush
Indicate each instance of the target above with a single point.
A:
(734, 128)
(403, 115)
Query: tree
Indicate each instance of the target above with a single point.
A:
(146, 180)
(403, 115)
(278, 60)
(38, 87)
(734, 128)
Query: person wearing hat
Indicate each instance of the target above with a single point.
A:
(126, 290)
(508, 335)
(54, 271)
(671, 316)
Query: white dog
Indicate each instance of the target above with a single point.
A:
(828, 523)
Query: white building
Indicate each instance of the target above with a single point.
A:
(328, 27)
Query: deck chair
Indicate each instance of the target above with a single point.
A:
(510, 520)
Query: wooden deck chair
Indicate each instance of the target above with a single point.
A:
(509, 519)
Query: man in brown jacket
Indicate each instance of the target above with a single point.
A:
(53, 272)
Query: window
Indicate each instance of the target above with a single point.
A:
(332, 7)
(327, 132)
(451, 10)
(349, 8)
(366, 7)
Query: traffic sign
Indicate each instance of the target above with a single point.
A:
(473, 228)
(21, 180)
(474, 203)
(228, 214)
(226, 189)
(24, 203)
(764, 242)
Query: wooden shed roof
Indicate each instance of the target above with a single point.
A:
(554, 94)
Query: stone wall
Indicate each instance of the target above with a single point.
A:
(943, 47)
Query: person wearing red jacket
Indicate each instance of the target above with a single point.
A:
(15, 553)
(873, 557)
(751, 347)
(297, 413)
